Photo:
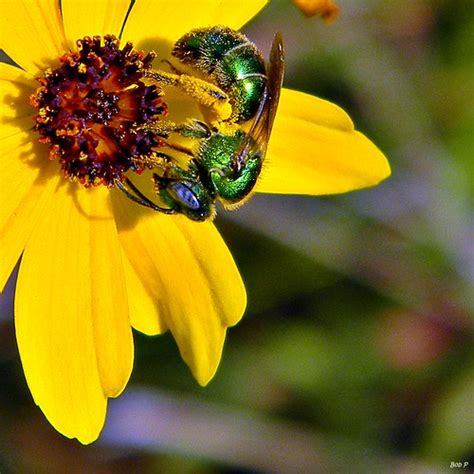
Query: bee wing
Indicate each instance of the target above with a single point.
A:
(259, 133)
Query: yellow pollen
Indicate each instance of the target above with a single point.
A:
(43, 113)
(82, 68)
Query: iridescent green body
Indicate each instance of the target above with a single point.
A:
(210, 176)
(216, 160)
(231, 61)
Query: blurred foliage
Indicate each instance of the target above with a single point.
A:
(357, 345)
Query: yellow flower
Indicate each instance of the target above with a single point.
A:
(93, 263)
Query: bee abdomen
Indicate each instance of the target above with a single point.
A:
(231, 61)
(241, 73)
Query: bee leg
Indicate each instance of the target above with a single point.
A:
(165, 164)
(157, 160)
(163, 78)
(174, 172)
(204, 93)
(192, 128)
(133, 193)
(161, 128)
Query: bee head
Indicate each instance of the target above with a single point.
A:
(186, 196)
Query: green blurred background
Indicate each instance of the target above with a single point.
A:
(356, 351)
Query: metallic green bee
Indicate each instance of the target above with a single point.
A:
(231, 61)
(227, 161)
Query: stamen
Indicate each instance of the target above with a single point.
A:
(92, 108)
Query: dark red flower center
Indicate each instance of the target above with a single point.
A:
(92, 108)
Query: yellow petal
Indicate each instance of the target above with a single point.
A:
(16, 86)
(92, 17)
(27, 184)
(161, 22)
(60, 339)
(144, 315)
(31, 33)
(314, 149)
(188, 269)
(110, 317)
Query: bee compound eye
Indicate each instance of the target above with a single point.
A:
(185, 196)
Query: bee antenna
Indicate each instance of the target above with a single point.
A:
(138, 197)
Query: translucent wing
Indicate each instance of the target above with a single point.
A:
(259, 133)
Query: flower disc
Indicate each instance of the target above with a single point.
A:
(91, 109)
